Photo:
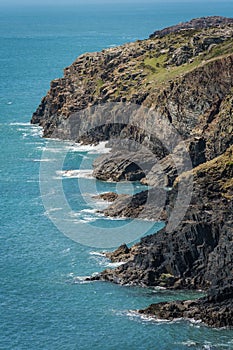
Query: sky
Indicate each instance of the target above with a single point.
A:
(73, 2)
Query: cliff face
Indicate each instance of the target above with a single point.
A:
(182, 75)
(199, 251)
(196, 255)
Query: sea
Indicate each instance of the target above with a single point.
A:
(45, 301)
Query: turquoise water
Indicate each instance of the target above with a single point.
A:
(45, 304)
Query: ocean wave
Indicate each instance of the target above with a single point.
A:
(204, 346)
(103, 261)
(28, 127)
(76, 174)
(97, 253)
(91, 149)
(84, 220)
(188, 343)
(84, 216)
(83, 279)
(20, 124)
(134, 314)
(89, 211)
(28, 130)
(44, 160)
(52, 210)
(116, 264)
(65, 251)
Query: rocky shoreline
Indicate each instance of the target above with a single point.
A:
(182, 76)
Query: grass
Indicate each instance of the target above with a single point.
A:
(155, 67)
(159, 73)
(99, 84)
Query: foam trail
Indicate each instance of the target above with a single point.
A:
(79, 174)
(21, 124)
(91, 149)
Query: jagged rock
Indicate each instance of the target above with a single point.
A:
(108, 196)
(123, 165)
(133, 73)
(181, 55)
(119, 255)
(147, 205)
(216, 314)
(198, 253)
(183, 76)
(196, 24)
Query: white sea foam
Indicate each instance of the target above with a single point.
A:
(52, 210)
(89, 211)
(189, 343)
(97, 254)
(84, 216)
(85, 220)
(134, 315)
(150, 318)
(83, 279)
(43, 160)
(66, 251)
(102, 260)
(71, 274)
(36, 132)
(193, 321)
(76, 174)
(21, 124)
(116, 264)
(91, 149)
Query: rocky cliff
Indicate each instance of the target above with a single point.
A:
(179, 78)
(184, 76)
(196, 255)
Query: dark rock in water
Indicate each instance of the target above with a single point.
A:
(211, 311)
(108, 196)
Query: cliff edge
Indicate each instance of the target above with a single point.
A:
(183, 74)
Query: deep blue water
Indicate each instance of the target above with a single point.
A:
(44, 302)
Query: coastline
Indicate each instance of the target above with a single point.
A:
(197, 253)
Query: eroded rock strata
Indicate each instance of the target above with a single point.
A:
(198, 253)
(179, 78)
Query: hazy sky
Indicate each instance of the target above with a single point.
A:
(64, 2)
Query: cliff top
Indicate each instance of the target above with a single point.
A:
(197, 23)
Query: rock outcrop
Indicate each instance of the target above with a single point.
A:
(194, 24)
(180, 79)
(213, 311)
(191, 95)
(197, 254)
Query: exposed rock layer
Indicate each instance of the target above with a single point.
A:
(197, 254)
(182, 76)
